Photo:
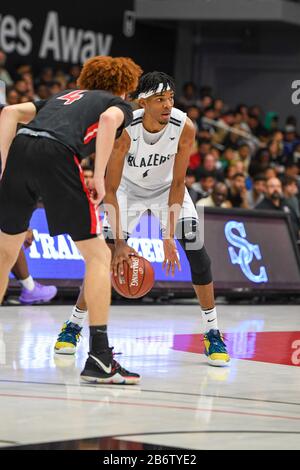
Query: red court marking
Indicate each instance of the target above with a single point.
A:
(267, 346)
(151, 405)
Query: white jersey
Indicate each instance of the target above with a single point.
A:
(150, 160)
(148, 173)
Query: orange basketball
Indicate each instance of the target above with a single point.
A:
(137, 281)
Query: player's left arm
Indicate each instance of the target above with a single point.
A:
(176, 196)
(10, 117)
(177, 189)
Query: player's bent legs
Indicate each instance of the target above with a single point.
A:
(97, 284)
(81, 302)
(189, 237)
(10, 246)
(20, 268)
(70, 333)
(100, 367)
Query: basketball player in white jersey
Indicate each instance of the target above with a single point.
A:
(147, 171)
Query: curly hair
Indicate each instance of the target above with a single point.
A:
(150, 81)
(117, 75)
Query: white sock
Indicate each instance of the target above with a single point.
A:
(78, 316)
(27, 283)
(210, 319)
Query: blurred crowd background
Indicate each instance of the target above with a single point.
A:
(242, 157)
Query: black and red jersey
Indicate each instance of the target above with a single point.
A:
(72, 118)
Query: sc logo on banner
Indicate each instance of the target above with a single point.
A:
(247, 251)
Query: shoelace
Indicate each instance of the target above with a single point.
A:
(67, 335)
(217, 343)
(117, 366)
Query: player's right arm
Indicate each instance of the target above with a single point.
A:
(10, 117)
(112, 182)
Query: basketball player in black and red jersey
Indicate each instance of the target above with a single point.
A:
(43, 160)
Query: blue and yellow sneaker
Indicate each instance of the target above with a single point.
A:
(68, 338)
(215, 349)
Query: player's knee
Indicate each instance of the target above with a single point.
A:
(8, 256)
(200, 264)
(95, 251)
(189, 235)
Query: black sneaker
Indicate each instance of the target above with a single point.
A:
(96, 370)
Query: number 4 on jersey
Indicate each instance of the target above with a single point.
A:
(71, 97)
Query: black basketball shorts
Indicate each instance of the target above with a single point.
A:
(41, 167)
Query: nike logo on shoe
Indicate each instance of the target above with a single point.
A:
(103, 366)
(209, 321)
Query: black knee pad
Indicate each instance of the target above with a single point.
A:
(189, 236)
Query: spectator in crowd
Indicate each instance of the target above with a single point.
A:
(199, 187)
(269, 173)
(244, 156)
(218, 107)
(216, 153)
(193, 112)
(206, 101)
(292, 169)
(290, 192)
(55, 87)
(237, 193)
(88, 174)
(206, 128)
(296, 155)
(276, 156)
(291, 139)
(228, 157)
(259, 163)
(209, 166)
(190, 181)
(46, 77)
(189, 96)
(4, 74)
(12, 96)
(24, 68)
(21, 86)
(61, 77)
(195, 157)
(227, 119)
(274, 200)
(271, 121)
(72, 84)
(74, 72)
(42, 92)
(205, 186)
(218, 197)
(242, 110)
(256, 128)
(256, 194)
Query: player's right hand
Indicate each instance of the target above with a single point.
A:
(122, 253)
(97, 190)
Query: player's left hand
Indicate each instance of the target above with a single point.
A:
(171, 257)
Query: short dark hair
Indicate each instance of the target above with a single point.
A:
(87, 168)
(259, 178)
(150, 82)
(287, 180)
(237, 175)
